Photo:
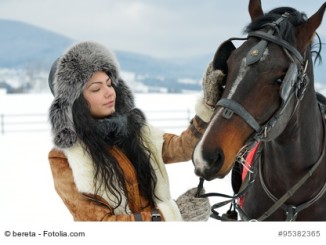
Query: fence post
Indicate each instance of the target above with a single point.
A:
(2, 119)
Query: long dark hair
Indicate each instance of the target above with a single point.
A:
(97, 144)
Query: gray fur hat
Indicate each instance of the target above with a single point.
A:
(67, 79)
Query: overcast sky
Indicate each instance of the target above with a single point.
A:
(160, 28)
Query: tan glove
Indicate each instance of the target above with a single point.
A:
(212, 85)
(194, 208)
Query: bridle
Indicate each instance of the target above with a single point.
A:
(293, 87)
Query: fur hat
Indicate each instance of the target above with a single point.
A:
(67, 79)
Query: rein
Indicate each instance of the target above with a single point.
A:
(232, 200)
(231, 214)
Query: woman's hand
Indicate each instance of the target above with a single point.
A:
(194, 208)
(212, 85)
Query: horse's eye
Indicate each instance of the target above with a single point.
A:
(279, 80)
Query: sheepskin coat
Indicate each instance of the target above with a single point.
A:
(72, 168)
(73, 173)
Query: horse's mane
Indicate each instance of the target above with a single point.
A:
(286, 29)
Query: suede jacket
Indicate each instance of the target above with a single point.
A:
(73, 172)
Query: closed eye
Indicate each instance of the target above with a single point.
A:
(109, 82)
(95, 90)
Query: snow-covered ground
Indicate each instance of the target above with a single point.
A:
(30, 203)
(25, 171)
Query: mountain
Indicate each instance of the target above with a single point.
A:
(170, 68)
(24, 46)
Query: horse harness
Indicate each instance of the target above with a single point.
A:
(293, 85)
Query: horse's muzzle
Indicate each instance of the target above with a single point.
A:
(207, 164)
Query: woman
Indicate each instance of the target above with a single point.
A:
(108, 162)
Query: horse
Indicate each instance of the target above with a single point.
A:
(269, 109)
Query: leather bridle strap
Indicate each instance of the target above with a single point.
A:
(278, 41)
(232, 106)
(294, 188)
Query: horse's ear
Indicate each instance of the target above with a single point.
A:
(221, 56)
(255, 9)
(306, 31)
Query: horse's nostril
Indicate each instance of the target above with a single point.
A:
(214, 160)
(208, 162)
(219, 159)
(198, 172)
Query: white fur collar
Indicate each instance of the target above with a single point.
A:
(83, 172)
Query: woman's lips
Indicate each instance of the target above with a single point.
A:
(109, 104)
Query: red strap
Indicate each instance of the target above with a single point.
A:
(249, 160)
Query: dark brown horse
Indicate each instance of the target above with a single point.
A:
(269, 97)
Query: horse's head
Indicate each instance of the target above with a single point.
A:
(266, 77)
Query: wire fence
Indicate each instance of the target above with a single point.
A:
(15, 123)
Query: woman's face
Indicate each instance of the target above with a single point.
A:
(100, 95)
